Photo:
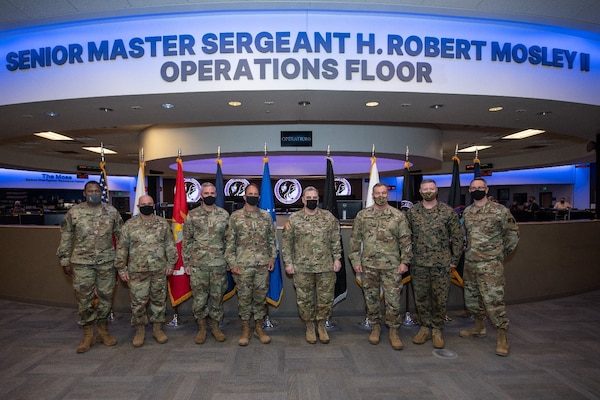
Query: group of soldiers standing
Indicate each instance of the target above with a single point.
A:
(385, 243)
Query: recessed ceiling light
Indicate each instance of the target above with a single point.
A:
(495, 109)
(235, 103)
(304, 103)
(105, 109)
(52, 113)
(136, 107)
(524, 134)
(437, 106)
(473, 149)
(269, 103)
(372, 103)
(52, 136)
(99, 150)
(405, 105)
(167, 106)
(544, 113)
(520, 110)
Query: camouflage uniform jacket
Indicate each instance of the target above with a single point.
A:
(146, 246)
(311, 243)
(380, 239)
(250, 239)
(492, 232)
(204, 237)
(86, 234)
(437, 239)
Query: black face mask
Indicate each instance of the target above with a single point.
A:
(147, 210)
(252, 200)
(311, 204)
(209, 200)
(478, 194)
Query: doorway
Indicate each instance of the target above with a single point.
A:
(546, 199)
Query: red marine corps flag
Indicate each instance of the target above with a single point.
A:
(179, 282)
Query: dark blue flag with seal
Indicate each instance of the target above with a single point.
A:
(220, 202)
(267, 202)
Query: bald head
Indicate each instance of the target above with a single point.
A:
(145, 200)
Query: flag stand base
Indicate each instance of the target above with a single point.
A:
(366, 324)
(330, 325)
(269, 324)
(175, 322)
(408, 321)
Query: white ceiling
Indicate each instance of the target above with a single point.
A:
(464, 120)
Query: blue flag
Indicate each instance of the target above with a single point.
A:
(267, 203)
(476, 168)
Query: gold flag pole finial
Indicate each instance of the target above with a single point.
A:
(179, 152)
(219, 152)
(142, 155)
(265, 149)
(328, 151)
(373, 150)
(102, 151)
(456, 150)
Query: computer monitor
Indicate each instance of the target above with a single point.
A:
(347, 209)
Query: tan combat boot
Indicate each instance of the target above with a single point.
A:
(438, 339)
(477, 330)
(502, 343)
(104, 336)
(140, 334)
(395, 339)
(245, 336)
(322, 331)
(201, 336)
(311, 337)
(422, 336)
(88, 339)
(158, 334)
(216, 332)
(260, 333)
(375, 333)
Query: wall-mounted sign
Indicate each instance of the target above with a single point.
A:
(296, 138)
(471, 167)
(236, 187)
(193, 190)
(288, 191)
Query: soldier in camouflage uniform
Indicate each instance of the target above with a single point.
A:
(204, 260)
(87, 254)
(437, 246)
(146, 254)
(312, 252)
(492, 234)
(380, 250)
(250, 252)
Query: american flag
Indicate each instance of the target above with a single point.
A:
(104, 182)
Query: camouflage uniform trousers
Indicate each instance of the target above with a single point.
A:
(252, 286)
(314, 294)
(148, 288)
(373, 280)
(484, 291)
(431, 286)
(90, 280)
(208, 285)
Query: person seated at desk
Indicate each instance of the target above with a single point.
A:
(532, 206)
(18, 209)
(562, 205)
